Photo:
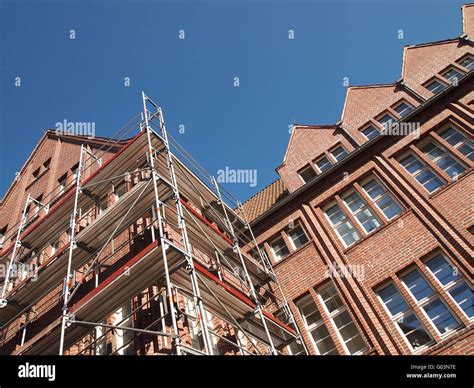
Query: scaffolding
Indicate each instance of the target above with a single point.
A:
(185, 237)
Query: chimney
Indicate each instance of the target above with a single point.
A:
(468, 20)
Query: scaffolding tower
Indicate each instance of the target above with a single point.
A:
(174, 230)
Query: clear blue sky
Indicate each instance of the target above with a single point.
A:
(282, 81)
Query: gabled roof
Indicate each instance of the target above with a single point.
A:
(52, 133)
(264, 200)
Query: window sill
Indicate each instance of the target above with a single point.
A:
(450, 184)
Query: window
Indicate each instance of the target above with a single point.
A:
(279, 248)
(403, 109)
(382, 198)
(362, 212)
(453, 283)
(74, 171)
(443, 159)
(341, 319)
(370, 132)
(315, 326)
(297, 236)
(36, 173)
(3, 233)
(435, 86)
(453, 75)
(307, 174)
(342, 225)
(47, 163)
(458, 140)
(62, 183)
(429, 302)
(124, 338)
(339, 153)
(424, 175)
(387, 120)
(322, 164)
(38, 204)
(404, 317)
(467, 62)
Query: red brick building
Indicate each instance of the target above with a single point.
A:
(369, 228)
(371, 232)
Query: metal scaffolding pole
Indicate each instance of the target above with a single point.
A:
(179, 211)
(71, 249)
(248, 279)
(267, 263)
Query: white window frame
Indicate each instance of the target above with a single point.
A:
(450, 68)
(334, 314)
(276, 258)
(432, 80)
(380, 197)
(370, 126)
(438, 158)
(400, 316)
(318, 160)
(315, 325)
(421, 304)
(451, 285)
(456, 129)
(464, 58)
(424, 167)
(354, 214)
(296, 225)
(400, 103)
(335, 226)
(307, 168)
(336, 147)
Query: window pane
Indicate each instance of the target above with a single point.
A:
(279, 248)
(373, 189)
(467, 149)
(371, 132)
(450, 166)
(452, 75)
(307, 174)
(393, 300)
(339, 153)
(429, 180)
(368, 220)
(440, 316)
(335, 214)
(298, 236)
(403, 109)
(388, 206)
(348, 331)
(435, 87)
(386, 121)
(452, 136)
(432, 150)
(468, 62)
(323, 340)
(331, 298)
(348, 233)
(412, 164)
(414, 331)
(308, 310)
(354, 202)
(463, 296)
(323, 164)
(442, 270)
(417, 285)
